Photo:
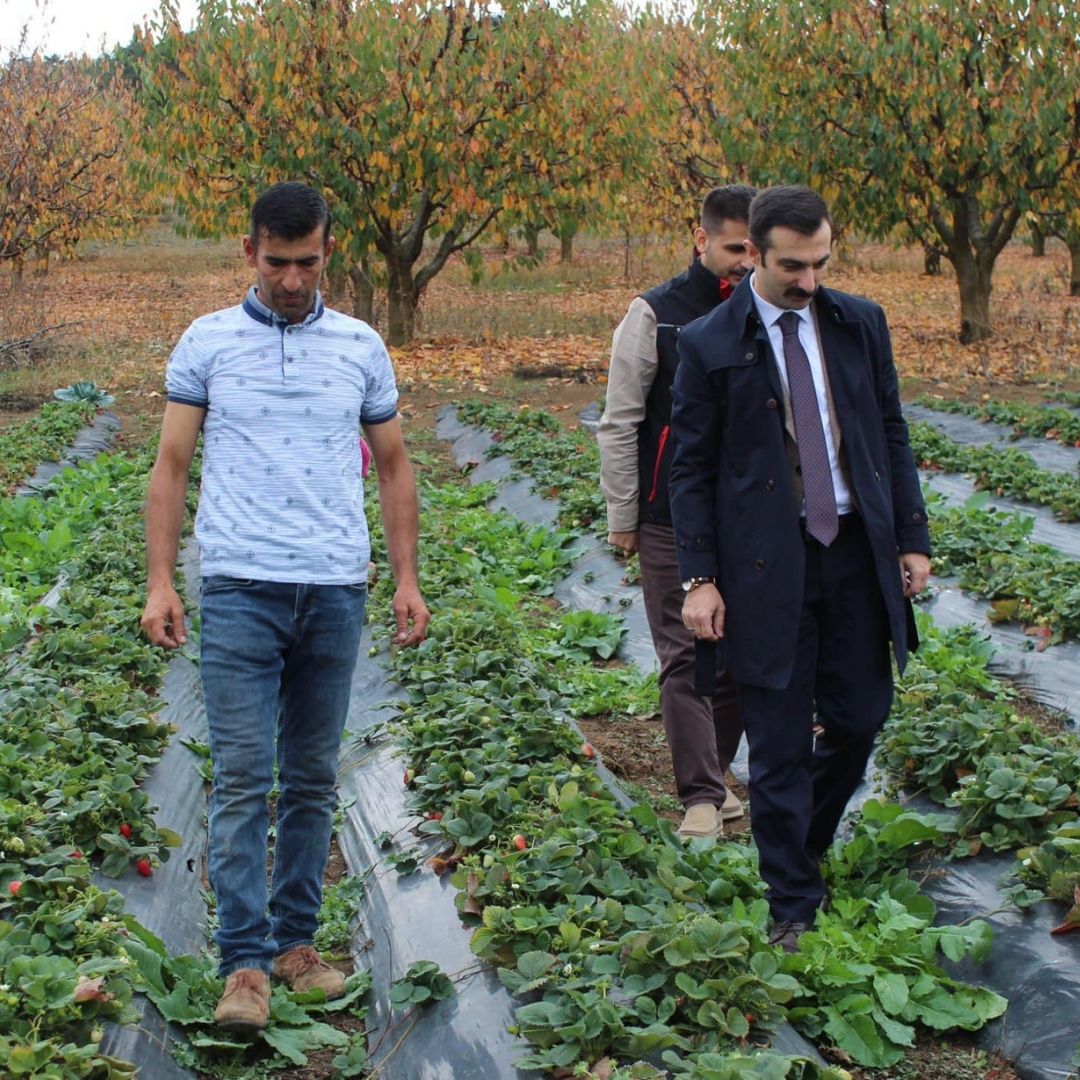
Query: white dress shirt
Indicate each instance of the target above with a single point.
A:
(808, 337)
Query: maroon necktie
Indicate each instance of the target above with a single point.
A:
(819, 498)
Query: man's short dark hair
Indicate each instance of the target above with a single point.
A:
(790, 205)
(728, 203)
(290, 211)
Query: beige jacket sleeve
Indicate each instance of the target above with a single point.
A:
(630, 377)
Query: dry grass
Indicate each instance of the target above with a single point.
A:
(125, 305)
(1037, 325)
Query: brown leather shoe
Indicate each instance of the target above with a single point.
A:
(302, 968)
(701, 820)
(245, 1005)
(786, 934)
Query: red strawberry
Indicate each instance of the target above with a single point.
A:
(520, 842)
(588, 749)
(76, 854)
(14, 887)
(143, 866)
(125, 831)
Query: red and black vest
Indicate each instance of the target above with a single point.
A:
(694, 293)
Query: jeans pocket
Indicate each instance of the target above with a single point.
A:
(221, 582)
(356, 588)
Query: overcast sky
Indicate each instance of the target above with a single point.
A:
(77, 26)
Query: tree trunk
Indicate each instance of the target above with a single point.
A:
(1038, 242)
(568, 227)
(973, 277)
(532, 240)
(1074, 268)
(405, 284)
(401, 300)
(337, 285)
(971, 241)
(363, 292)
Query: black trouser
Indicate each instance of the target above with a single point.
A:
(800, 785)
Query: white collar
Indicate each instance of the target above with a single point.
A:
(770, 313)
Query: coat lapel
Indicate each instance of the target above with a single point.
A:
(842, 347)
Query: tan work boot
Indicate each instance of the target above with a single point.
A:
(245, 1005)
(732, 808)
(302, 968)
(701, 820)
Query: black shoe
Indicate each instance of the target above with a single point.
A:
(786, 934)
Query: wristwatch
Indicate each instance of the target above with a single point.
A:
(692, 583)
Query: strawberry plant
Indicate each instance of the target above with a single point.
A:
(422, 983)
(41, 438)
(589, 634)
(874, 978)
(185, 990)
(621, 942)
(1047, 421)
(563, 465)
(62, 969)
(1054, 865)
(993, 556)
(341, 902)
(1000, 472)
(954, 733)
(78, 731)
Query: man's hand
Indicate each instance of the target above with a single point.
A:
(914, 572)
(163, 619)
(703, 613)
(411, 615)
(628, 541)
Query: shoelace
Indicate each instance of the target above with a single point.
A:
(304, 959)
(248, 980)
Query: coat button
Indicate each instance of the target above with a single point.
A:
(748, 358)
(771, 403)
(916, 516)
(769, 485)
(759, 564)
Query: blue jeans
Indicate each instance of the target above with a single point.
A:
(277, 665)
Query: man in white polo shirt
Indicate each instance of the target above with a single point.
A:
(279, 387)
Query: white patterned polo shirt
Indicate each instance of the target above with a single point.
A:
(282, 497)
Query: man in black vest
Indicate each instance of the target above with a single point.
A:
(635, 456)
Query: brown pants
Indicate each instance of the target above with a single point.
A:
(702, 733)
